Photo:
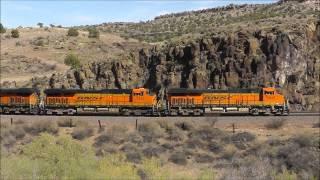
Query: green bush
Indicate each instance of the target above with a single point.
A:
(2, 29)
(72, 60)
(93, 33)
(73, 32)
(15, 33)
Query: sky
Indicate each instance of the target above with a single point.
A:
(26, 13)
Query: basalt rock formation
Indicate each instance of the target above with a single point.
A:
(242, 59)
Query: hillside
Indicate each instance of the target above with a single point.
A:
(235, 46)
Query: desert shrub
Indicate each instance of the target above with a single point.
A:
(116, 134)
(215, 147)
(2, 29)
(176, 135)
(73, 32)
(275, 124)
(134, 157)
(81, 133)
(195, 142)
(178, 158)
(316, 125)
(167, 125)
(107, 149)
(18, 132)
(66, 123)
(128, 147)
(42, 126)
(304, 140)
(304, 159)
(243, 137)
(7, 139)
(207, 133)
(185, 125)
(135, 138)
(93, 33)
(72, 60)
(150, 131)
(153, 151)
(15, 33)
(169, 146)
(229, 152)
(204, 158)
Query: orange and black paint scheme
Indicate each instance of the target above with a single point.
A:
(140, 102)
(19, 101)
(108, 101)
(205, 101)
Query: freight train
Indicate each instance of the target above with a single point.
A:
(142, 102)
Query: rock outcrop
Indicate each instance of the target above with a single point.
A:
(239, 60)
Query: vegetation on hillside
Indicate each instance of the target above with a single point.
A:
(214, 20)
(72, 60)
(15, 33)
(2, 29)
(73, 32)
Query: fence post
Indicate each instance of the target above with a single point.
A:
(136, 124)
(11, 121)
(99, 124)
(233, 128)
(70, 122)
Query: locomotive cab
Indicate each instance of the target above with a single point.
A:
(142, 96)
(271, 96)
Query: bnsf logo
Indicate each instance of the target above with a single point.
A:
(86, 98)
(215, 98)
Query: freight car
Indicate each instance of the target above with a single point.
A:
(19, 101)
(206, 101)
(108, 101)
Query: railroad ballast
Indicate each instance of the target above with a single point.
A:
(142, 102)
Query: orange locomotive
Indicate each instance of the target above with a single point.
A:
(108, 101)
(19, 101)
(206, 101)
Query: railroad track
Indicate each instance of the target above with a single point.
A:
(211, 115)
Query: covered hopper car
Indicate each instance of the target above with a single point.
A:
(205, 101)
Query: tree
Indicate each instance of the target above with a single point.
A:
(15, 33)
(72, 60)
(93, 33)
(73, 32)
(40, 24)
(2, 29)
(52, 25)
